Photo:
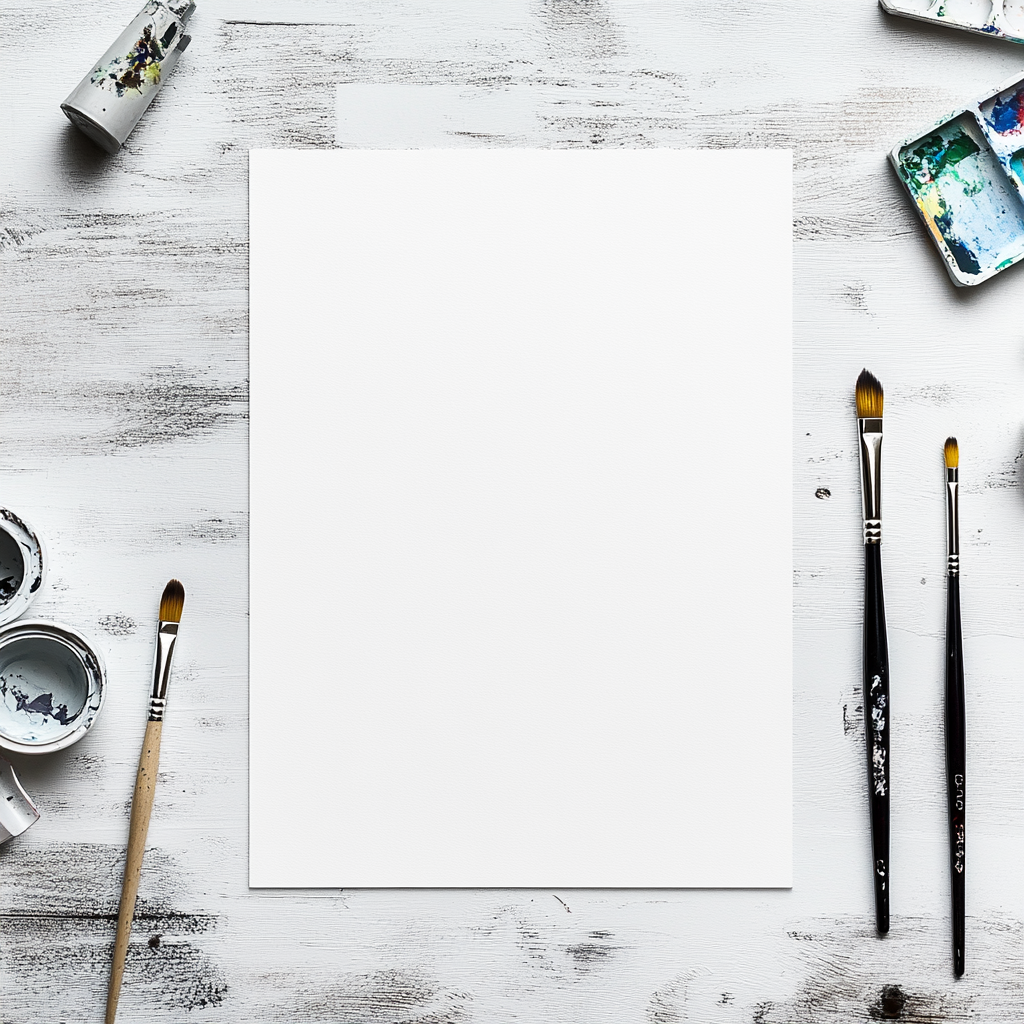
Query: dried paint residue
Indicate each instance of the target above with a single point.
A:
(965, 197)
(44, 689)
(1007, 113)
(20, 701)
(1017, 167)
(138, 69)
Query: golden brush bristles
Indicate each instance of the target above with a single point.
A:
(952, 453)
(172, 604)
(869, 396)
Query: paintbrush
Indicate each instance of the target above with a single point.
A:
(171, 605)
(876, 648)
(956, 731)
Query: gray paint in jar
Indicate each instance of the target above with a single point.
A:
(52, 685)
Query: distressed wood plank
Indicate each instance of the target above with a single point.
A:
(123, 319)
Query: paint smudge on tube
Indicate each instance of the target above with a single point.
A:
(138, 68)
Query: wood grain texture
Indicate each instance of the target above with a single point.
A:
(123, 319)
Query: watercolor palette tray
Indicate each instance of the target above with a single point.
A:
(965, 177)
(1003, 19)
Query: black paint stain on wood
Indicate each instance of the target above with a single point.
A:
(850, 975)
(668, 1004)
(892, 1001)
(383, 997)
(1018, 465)
(582, 31)
(11, 237)
(84, 880)
(855, 296)
(593, 952)
(284, 94)
(162, 407)
(1005, 478)
(215, 529)
(118, 625)
(58, 920)
(535, 948)
(853, 720)
(174, 974)
(587, 954)
(169, 406)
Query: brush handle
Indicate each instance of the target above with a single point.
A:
(142, 807)
(876, 717)
(956, 766)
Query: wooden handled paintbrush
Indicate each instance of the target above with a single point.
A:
(876, 648)
(171, 606)
(956, 730)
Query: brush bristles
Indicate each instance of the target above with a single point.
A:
(172, 604)
(952, 453)
(869, 396)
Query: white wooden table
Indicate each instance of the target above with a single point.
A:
(123, 315)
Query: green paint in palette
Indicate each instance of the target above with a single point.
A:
(966, 179)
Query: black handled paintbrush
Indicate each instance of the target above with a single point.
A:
(876, 648)
(956, 729)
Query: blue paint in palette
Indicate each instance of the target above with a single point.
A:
(1017, 168)
(1005, 113)
(966, 179)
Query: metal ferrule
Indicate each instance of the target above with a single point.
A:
(952, 522)
(166, 635)
(870, 430)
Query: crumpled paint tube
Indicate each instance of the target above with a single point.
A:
(108, 103)
(17, 812)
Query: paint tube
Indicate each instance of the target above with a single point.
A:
(108, 103)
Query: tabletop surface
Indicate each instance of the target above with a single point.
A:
(124, 426)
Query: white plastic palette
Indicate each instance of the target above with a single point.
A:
(965, 177)
(1003, 19)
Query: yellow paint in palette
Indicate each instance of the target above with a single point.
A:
(966, 180)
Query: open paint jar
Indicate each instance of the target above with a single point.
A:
(22, 566)
(52, 685)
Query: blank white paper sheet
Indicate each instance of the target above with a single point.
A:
(521, 540)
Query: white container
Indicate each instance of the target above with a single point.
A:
(52, 685)
(22, 566)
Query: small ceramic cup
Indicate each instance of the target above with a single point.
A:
(22, 566)
(52, 685)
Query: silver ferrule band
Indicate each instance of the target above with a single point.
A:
(166, 635)
(952, 521)
(870, 447)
